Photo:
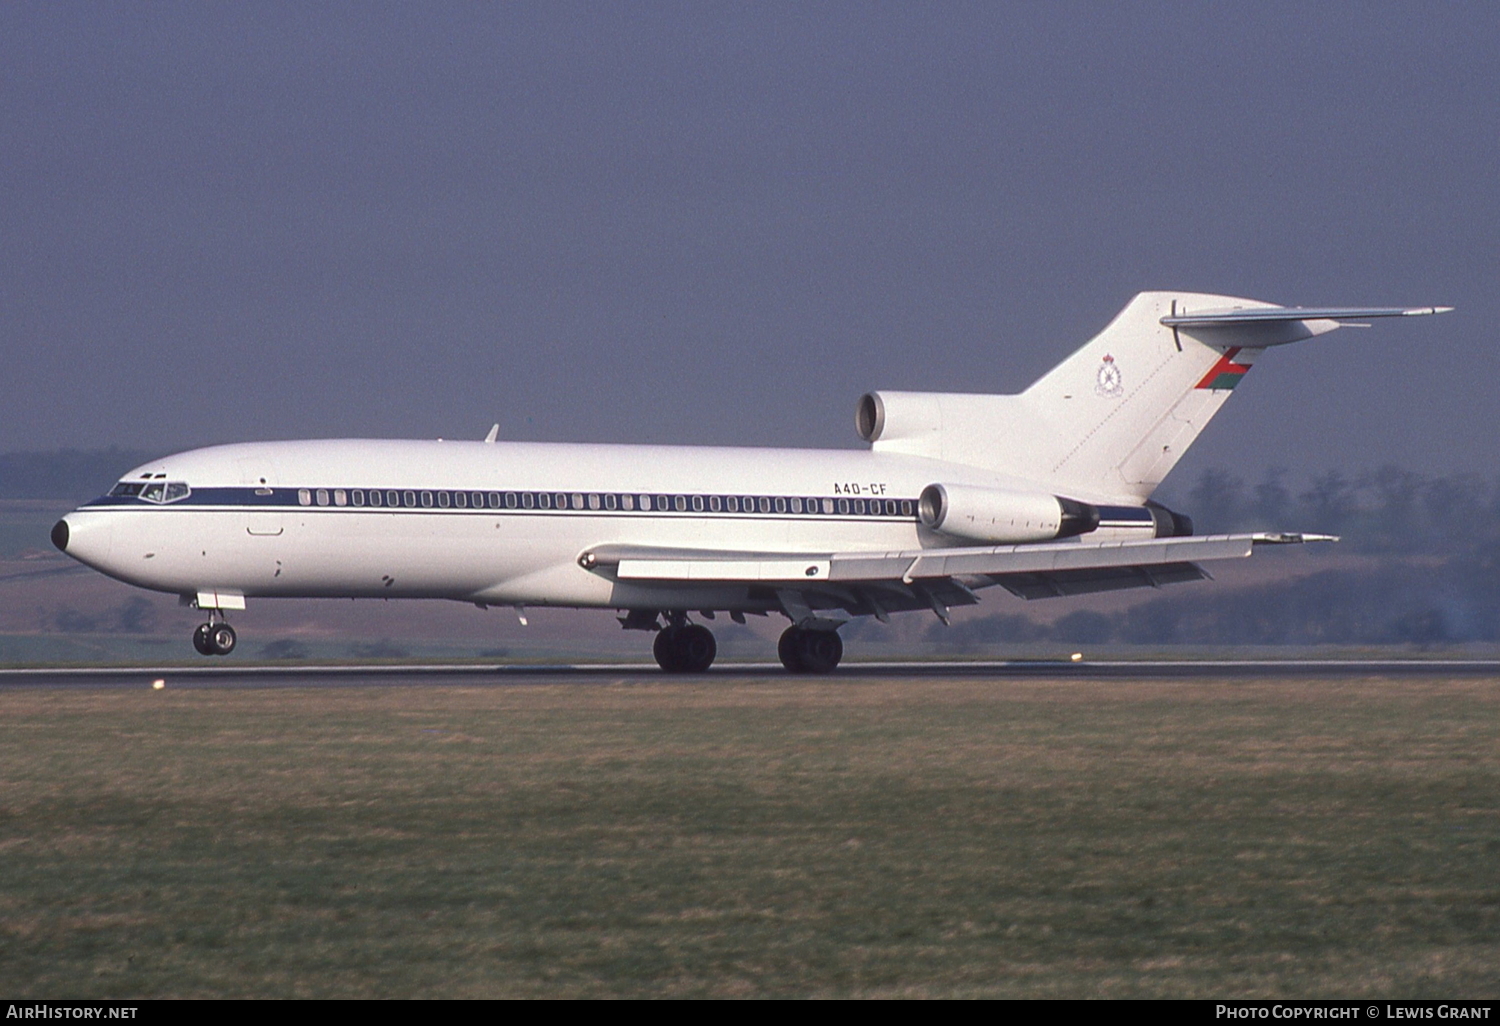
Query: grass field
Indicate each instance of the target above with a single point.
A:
(827, 838)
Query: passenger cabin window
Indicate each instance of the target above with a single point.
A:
(152, 490)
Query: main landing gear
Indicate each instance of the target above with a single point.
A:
(213, 639)
(684, 648)
(803, 650)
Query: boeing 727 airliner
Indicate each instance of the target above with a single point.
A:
(1043, 493)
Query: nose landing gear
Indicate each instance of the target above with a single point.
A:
(213, 639)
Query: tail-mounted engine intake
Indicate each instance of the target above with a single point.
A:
(869, 416)
(899, 416)
(992, 515)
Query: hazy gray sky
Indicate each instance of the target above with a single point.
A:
(721, 223)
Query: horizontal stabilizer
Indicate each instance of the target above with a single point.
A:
(1282, 314)
(1112, 420)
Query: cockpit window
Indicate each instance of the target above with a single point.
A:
(154, 491)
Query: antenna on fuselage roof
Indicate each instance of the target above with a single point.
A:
(489, 439)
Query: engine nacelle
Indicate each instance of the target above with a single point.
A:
(1169, 523)
(898, 416)
(993, 515)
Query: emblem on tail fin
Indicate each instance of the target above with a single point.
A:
(1109, 383)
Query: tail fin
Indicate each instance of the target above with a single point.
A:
(1115, 417)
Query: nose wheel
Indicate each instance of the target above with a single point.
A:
(684, 648)
(213, 639)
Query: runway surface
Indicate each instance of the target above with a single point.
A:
(230, 676)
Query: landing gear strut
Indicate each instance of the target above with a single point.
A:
(803, 650)
(213, 639)
(683, 647)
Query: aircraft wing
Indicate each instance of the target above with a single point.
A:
(864, 583)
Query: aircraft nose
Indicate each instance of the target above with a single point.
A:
(85, 537)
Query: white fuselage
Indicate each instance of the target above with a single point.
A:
(501, 523)
(1045, 492)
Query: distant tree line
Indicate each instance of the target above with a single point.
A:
(135, 615)
(1436, 581)
(1388, 509)
(1402, 604)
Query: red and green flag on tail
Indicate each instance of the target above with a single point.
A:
(1226, 373)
